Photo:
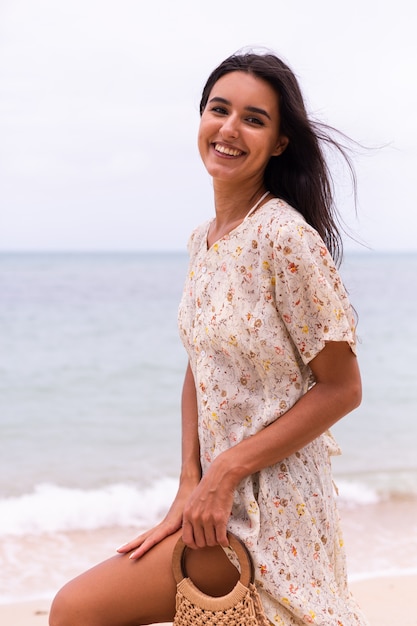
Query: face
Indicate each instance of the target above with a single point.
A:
(240, 128)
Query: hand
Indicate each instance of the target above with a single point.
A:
(208, 510)
(169, 525)
(144, 542)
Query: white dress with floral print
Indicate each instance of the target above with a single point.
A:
(257, 307)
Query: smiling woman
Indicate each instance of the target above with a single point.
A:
(242, 123)
(270, 337)
(239, 133)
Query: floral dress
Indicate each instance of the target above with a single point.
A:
(257, 306)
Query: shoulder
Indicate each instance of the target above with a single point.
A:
(276, 214)
(279, 211)
(289, 241)
(282, 225)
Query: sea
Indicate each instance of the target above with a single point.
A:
(91, 370)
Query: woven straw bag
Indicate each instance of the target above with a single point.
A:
(240, 607)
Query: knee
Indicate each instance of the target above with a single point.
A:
(65, 610)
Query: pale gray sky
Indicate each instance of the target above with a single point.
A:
(99, 112)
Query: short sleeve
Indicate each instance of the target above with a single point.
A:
(310, 295)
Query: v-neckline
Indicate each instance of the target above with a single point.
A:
(226, 236)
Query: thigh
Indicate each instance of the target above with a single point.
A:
(122, 592)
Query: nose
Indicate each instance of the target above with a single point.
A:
(230, 128)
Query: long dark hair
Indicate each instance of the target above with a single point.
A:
(300, 175)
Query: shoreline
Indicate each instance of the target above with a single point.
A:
(385, 600)
(380, 541)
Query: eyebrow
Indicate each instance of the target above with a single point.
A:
(248, 108)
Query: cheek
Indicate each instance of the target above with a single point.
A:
(200, 142)
(203, 137)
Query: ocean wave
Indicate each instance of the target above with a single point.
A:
(356, 493)
(373, 487)
(51, 508)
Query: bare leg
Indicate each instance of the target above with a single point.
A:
(122, 592)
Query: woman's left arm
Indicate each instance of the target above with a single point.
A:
(337, 391)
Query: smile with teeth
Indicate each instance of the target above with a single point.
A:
(229, 151)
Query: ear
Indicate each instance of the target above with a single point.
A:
(281, 145)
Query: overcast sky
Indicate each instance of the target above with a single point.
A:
(99, 113)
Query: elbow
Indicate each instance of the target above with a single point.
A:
(353, 383)
(355, 394)
(356, 397)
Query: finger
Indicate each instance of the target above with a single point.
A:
(151, 540)
(188, 535)
(210, 535)
(144, 547)
(221, 535)
(199, 536)
(137, 541)
(130, 545)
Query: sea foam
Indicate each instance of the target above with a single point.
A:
(51, 508)
(356, 493)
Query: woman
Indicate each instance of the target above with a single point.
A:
(270, 337)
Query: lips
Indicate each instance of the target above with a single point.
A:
(233, 152)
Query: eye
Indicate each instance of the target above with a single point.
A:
(219, 110)
(255, 120)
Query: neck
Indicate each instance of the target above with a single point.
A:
(233, 204)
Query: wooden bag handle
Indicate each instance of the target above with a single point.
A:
(247, 574)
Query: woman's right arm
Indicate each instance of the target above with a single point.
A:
(189, 478)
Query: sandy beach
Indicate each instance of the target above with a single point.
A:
(81, 476)
(381, 550)
(387, 601)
